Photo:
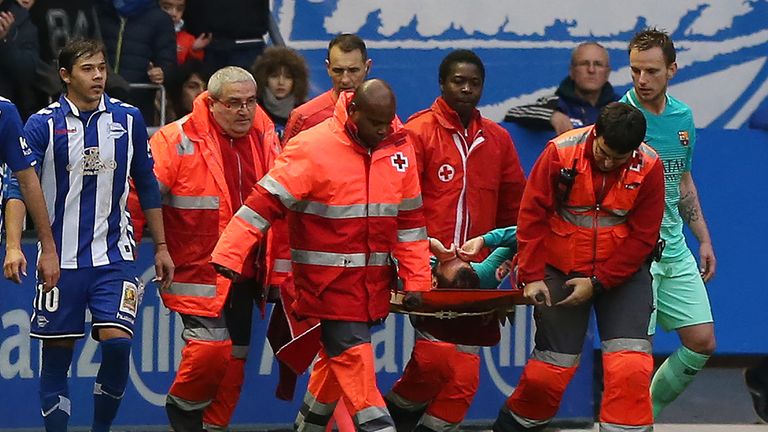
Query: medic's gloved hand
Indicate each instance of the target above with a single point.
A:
(412, 300)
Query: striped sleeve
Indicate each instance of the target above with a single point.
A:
(535, 115)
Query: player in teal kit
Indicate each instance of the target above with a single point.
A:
(681, 298)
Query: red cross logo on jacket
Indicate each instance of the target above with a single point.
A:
(445, 173)
(399, 161)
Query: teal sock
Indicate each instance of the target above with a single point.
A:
(674, 375)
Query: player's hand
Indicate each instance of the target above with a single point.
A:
(441, 252)
(560, 122)
(471, 248)
(412, 300)
(155, 74)
(582, 292)
(15, 265)
(48, 269)
(707, 261)
(538, 293)
(164, 267)
(226, 272)
(202, 41)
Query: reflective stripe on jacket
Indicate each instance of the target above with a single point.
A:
(349, 211)
(585, 230)
(196, 202)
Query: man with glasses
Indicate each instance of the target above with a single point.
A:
(207, 162)
(348, 65)
(588, 222)
(578, 99)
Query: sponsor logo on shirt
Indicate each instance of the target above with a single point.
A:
(92, 163)
(116, 130)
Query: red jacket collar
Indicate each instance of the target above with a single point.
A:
(449, 119)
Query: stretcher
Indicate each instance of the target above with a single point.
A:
(456, 303)
(462, 316)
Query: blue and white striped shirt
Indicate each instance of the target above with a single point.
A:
(85, 162)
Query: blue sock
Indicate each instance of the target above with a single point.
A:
(110, 382)
(54, 392)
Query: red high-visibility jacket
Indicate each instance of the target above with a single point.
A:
(610, 222)
(349, 211)
(196, 202)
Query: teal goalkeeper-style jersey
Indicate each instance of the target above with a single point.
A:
(673, 135)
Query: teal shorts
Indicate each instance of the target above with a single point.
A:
(679, 295)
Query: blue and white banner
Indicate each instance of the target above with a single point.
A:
(526, 46)
(157, 353)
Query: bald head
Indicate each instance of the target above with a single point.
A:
(374, 93)
(372, 110)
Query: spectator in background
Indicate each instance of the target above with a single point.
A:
(141, 45)
(187, 46)
(182, 87)
(578, 100)
(18, 55)
(283, 80)
(58, 22)
(348, 64)
(237, 26)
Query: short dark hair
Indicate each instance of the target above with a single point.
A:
(459, 56)
(77, 48)
(466, 278)
(622, 127)
(348, 42)
(275, 58)
(651, 38)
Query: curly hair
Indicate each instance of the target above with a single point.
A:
(275, 58)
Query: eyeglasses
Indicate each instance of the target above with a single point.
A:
(595, 64)
(236, 105)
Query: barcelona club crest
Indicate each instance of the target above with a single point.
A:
(683, 137)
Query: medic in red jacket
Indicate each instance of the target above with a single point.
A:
(589, 221)
(471, 181)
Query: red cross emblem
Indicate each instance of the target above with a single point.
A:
(399, 161)
(445, 173)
